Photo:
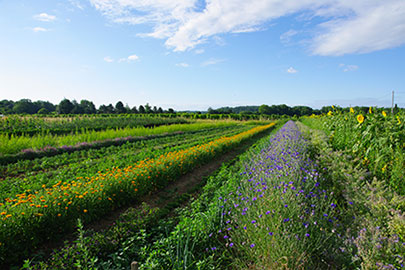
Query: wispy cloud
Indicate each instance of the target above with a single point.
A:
(77, 4)
(212, 61)
(292, 70)
(347, 68)
(185, 65)
(131, 58)
(39, 29)
(44, 17)
(286, 37)
(199, 51)
(108, 59)
(346, 26)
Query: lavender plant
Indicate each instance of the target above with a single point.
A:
(281, 216)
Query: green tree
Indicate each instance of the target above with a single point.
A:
(264, 109)
(141, 109)
(65, 106)
(25, 106)
(87, 106)
(134, 110)
(119, 107)
(148, 109)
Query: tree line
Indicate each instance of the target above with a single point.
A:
(26, 106)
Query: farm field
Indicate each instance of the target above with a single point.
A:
(318, 192)
(43, 197)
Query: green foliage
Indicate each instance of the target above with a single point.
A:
(376, 138)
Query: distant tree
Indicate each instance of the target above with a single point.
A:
(6, 106)
(46, 105)
(134, 110)
(25, 106)
(127, 108)
(102, 109)
(148, 109)
(77, 109)
(119, 107)
(302, 110)
(212, 111)
(170, 110)
(155, 110)
(141, 109)
(264, 109)
(43, 111)
(160, 110)
(87, 106)
(65, 106)
(110, 108)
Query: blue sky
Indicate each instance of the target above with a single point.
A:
(195, 54)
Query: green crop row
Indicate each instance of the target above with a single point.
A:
(33, 218)
(33, 174)
(32, 125)
(14, 144)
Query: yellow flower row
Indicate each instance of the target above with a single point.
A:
(90, 197)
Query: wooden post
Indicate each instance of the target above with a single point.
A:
(134, 266)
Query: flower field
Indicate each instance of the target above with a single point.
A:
(324, 192)
(33, 216)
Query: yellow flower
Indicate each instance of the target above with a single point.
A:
(370, 110)
(384, 113)
(333, 107)
(351, 110)
(85, 210)
(384, 168)
(360, 118)
(329, 113)
(399, 121)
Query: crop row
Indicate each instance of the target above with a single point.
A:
(14, 144)
(32, 218)
(31, 125)
(281, 209)
(33, 174)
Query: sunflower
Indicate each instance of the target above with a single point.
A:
(360, 118)
(384, 113)
(351, 110)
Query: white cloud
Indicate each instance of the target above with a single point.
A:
(185, 65)
(133, 57)
(39, 29)
(375, 25)
(292, 70)
(211, 61)
(347, 26)
(44, 17)
(347, 68)
(108, 59)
